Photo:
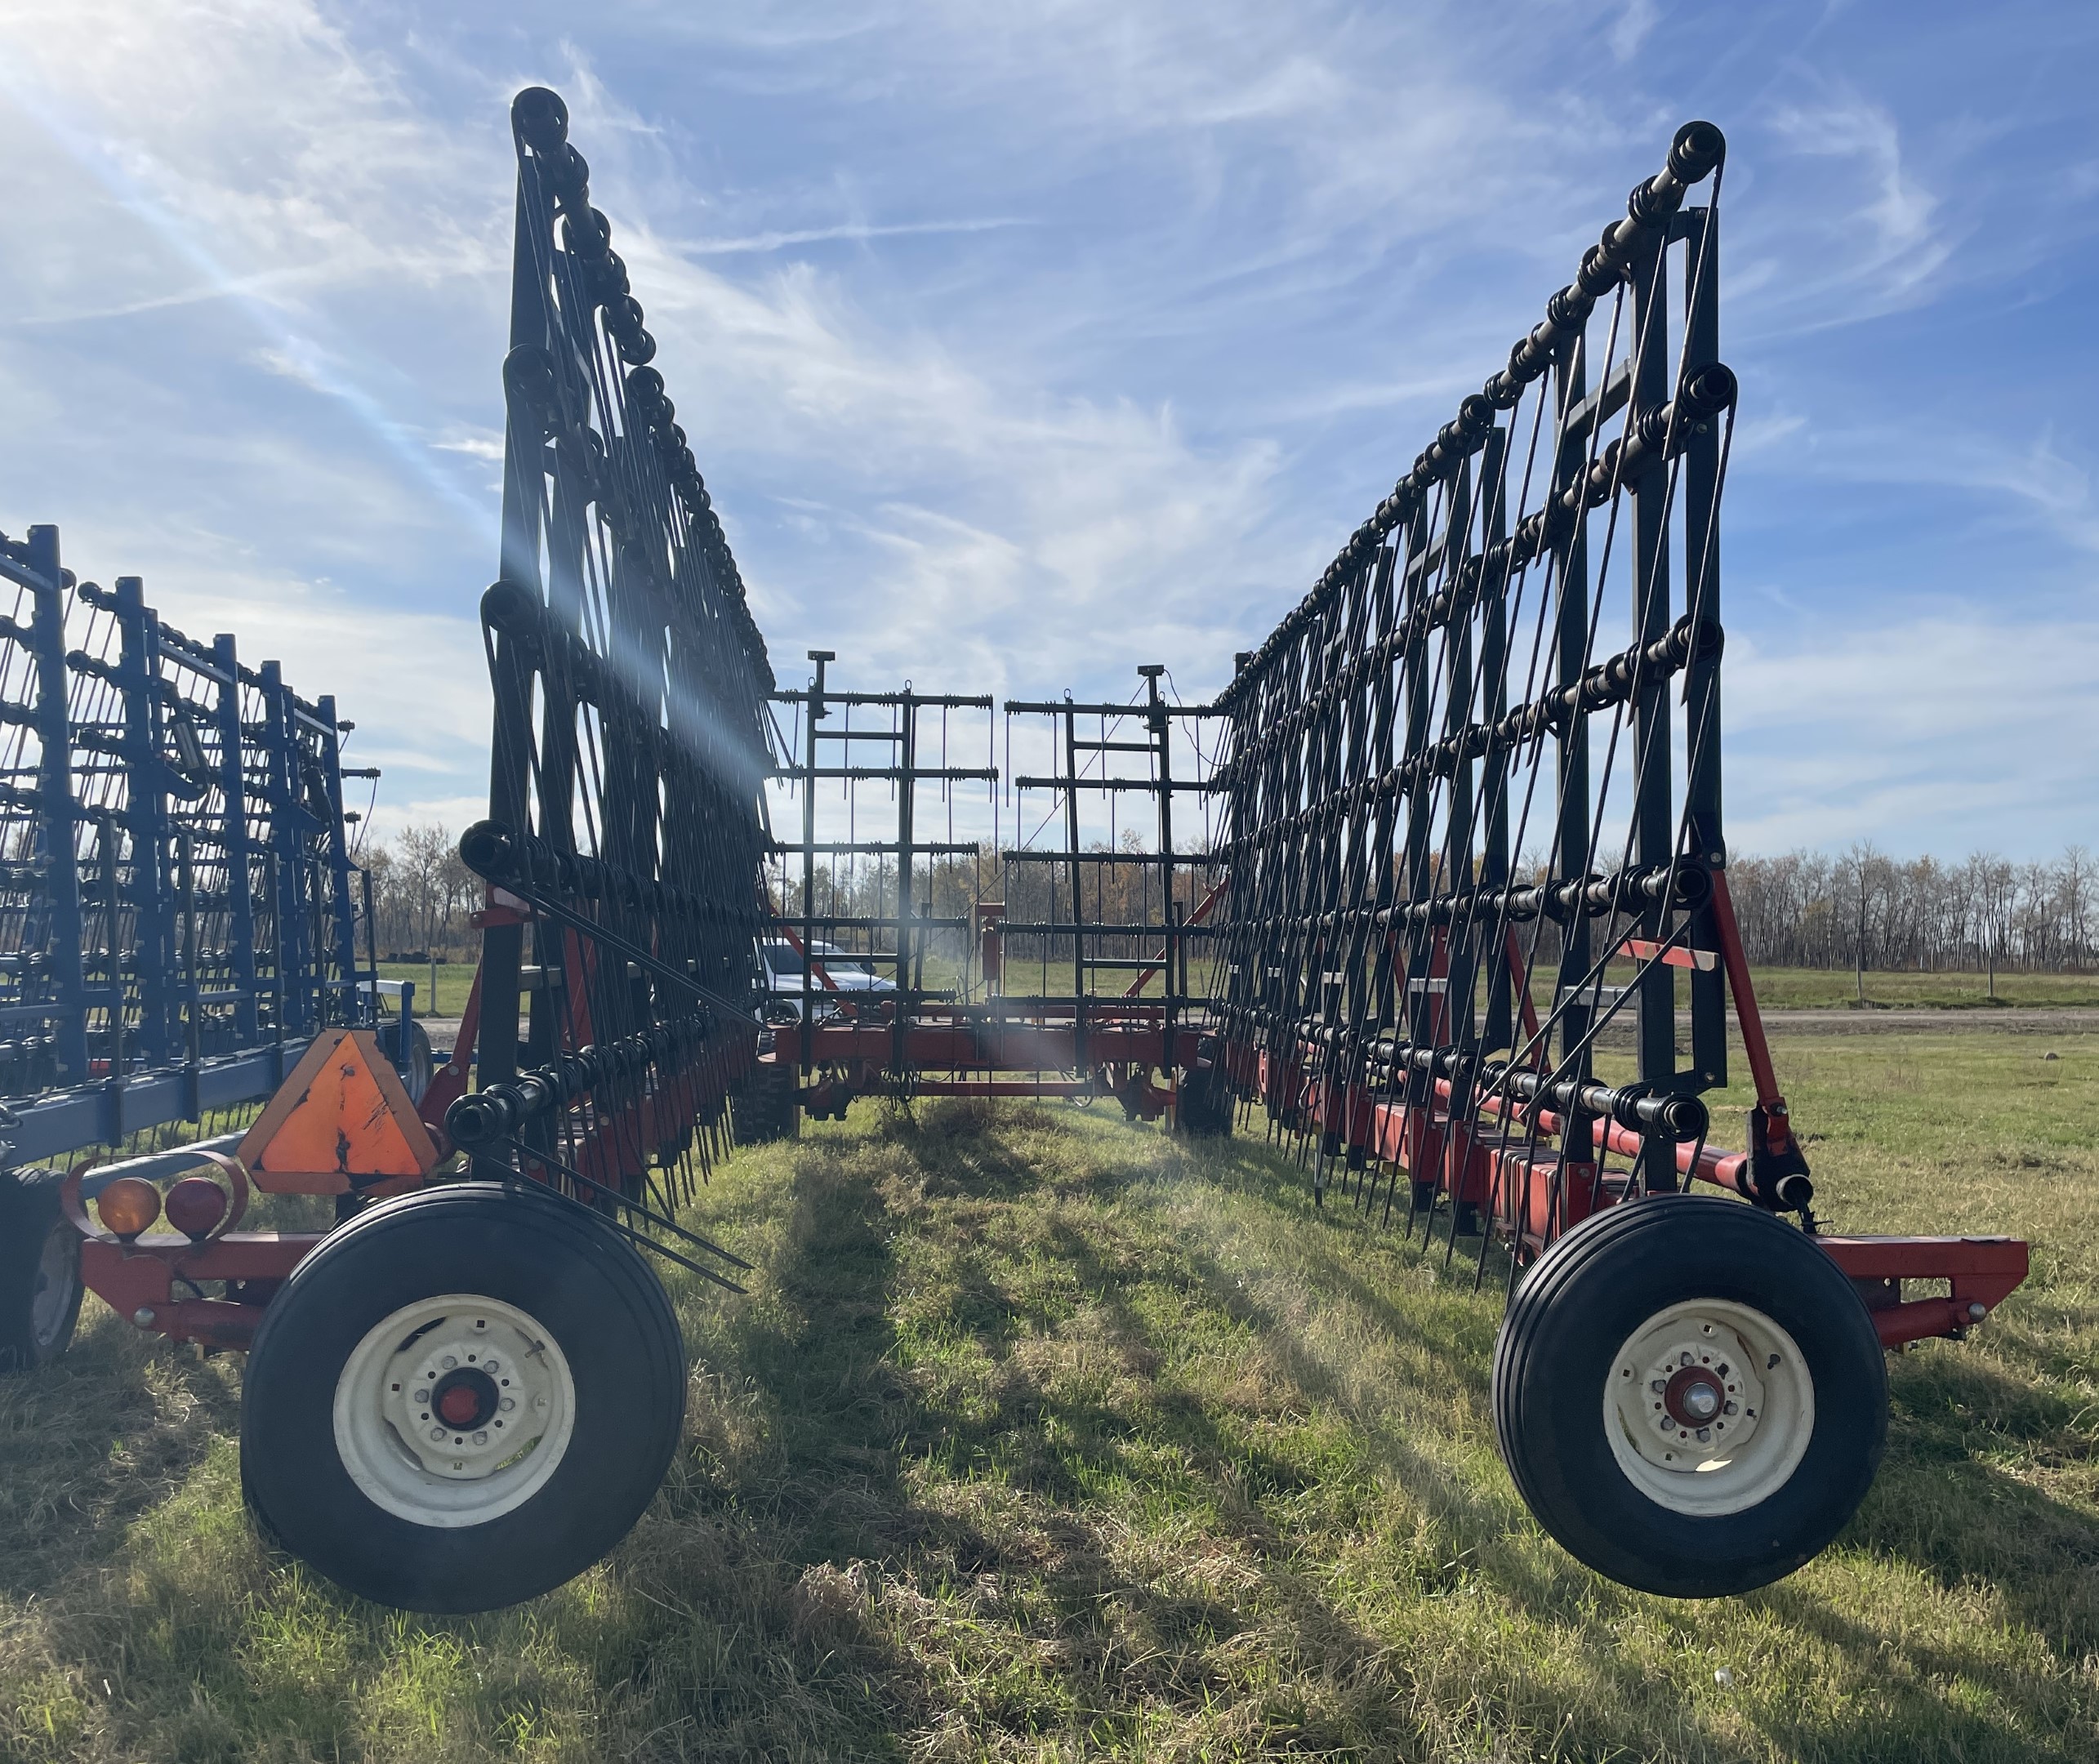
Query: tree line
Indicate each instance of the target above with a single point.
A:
(1859, 908)
(1127, 892)
(1863, 909)
(421, 894)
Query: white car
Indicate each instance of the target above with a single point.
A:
(853, 979)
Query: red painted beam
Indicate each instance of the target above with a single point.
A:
(137, 1282)
(1982, 1271)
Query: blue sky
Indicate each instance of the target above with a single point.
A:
(1020, 345)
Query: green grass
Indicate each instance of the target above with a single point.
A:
(1040, 1436)
(1833, 988)
(1777, 988)
(454, 981)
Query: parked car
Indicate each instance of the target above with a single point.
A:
(852, 979)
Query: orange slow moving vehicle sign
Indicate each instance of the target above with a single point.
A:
(341, 1121)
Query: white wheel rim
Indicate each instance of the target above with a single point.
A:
(1708, 1406)
(51, 1298)
(421, 1419)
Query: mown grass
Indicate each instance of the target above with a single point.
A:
(1040, 1436)
(455, 980)
(1835, 988)
(1777, 988)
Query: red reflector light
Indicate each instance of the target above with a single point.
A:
(195, 1205)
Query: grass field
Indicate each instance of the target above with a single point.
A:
(1777, 988)
(1042, 1436)
(454, 981)
(1833, 988)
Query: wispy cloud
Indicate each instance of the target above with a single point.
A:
(855, 231)
(1187, 287)
(1635, 25)
(1903, 733)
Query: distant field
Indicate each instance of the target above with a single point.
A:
(1825, 988)
(454, 981)
(1041, 1436)
(1777, 988)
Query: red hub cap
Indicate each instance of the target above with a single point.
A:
(1694, 1396)
(464, 1399)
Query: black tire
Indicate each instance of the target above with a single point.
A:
(40, 1289)
(765, 1106)
(1585, 1302)
(420, 1067)
(1207, 1104)
(606, 1313)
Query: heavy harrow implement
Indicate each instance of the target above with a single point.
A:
(1433, 893)
(178, 910)
(1689, 1391)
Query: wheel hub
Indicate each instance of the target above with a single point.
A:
(454, 1409)
(465, 1398)
(1694, 1396)
(1708, 1406)
(464, 1410)
(1698, 1399)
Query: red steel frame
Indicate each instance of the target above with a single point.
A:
(1533, 1193)
(1530, 1192)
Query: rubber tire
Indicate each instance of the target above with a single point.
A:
(29, 1218)
(421, 1062)
(1586, 1295)
(567, 1268)
(1206, 1103)
(765, 1108)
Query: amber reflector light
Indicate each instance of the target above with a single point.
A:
(128, 1206)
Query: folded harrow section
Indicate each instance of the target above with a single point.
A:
(625, 830)
(1477, 958)
(178, 903)
(1474, 780)
(1070, 962)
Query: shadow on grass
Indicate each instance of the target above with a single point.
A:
(95, 1440)
(1944, 1506)
(1012, 1567)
